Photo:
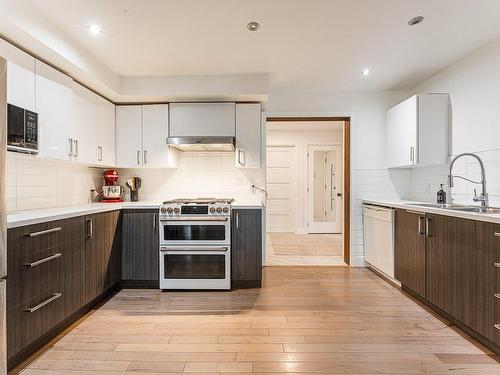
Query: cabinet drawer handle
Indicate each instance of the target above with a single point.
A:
(497, 264)
(44, 260)
(497, 295)
(42, 304)
(44, 232)
(496, 234)
(497, 326)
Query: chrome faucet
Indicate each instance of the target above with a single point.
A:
(483, 198)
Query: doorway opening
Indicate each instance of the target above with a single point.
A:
(307, 178)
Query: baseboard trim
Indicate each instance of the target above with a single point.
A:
(140, 284)
(43, 340)
(246, 284)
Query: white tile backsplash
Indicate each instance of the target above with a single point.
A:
(199, 174)
(40, 183)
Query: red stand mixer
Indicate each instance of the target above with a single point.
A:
(111, 192)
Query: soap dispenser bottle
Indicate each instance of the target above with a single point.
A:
(441, 196)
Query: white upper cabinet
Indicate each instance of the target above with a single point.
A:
(156, 153)
(248, 135)
(129, 136)
(202, 119)
(104, 150)
(54, 104)
(20, 76)
(418, 131)
(84, 132)
(141, 137)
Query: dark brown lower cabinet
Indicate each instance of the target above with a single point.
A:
(246, 248)
(459, 271)
(140, 248)
(54, 269)
(409, 252)
(103, 258)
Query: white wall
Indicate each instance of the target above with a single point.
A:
(474, 87)
(286, 133)
(369, 176)
(40, 183)
(199, 174)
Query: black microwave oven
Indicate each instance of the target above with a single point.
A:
(22, 130)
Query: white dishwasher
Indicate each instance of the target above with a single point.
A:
(378, 231)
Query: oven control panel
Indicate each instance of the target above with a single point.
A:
(211, 209)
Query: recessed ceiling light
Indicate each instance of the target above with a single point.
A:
(95, 29)
(415, 20)
(365, 72)
(253, 26)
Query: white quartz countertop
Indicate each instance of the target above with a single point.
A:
(29, 217)
(413, 206)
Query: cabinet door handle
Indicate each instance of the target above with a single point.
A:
(75, 141)
(241, 157)
(427, 228)
(420, 231)
(497, 326)
(42, 304)
(138, 157)
(44, 260)
(497, 295)
(99, 153)
(496, 234)
(145, 156)
(412, 154)
(90, 228)
(237, 221)
(154, 222)
(497, 264)
(44, 232)
(70, 153)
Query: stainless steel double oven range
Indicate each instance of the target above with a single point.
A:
(195, 244)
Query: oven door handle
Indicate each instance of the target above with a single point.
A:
(195, 218)
(192, 249)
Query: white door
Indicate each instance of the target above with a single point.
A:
(324, 198)
(280, 185)
(154, 135)
(21, 84)
(54, 104)
(129, 136)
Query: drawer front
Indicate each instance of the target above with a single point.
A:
(496, 322)
(487, 236)
(33, 238)
(32, 319)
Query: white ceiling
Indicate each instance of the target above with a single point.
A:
(306, 44)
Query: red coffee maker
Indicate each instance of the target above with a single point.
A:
(111, 192)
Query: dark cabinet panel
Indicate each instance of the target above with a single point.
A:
(246, 247)
(140, 245)
(72, 277)
(102, 253)
(409, 250)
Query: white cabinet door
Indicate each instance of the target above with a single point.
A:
(21, 85)
(248, 139)
(105, 148)
(85, 132)
(54, 104)
(202, 119)
(129, 136)
(402, 134)
(156, 153)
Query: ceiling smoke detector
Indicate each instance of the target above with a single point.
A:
(253, 26)
(415, 20)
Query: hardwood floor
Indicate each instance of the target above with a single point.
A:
(329, 320)
(289, 249)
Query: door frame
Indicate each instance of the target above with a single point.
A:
(278, 117)
(309, 190)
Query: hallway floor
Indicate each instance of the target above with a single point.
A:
(290, 249)
(329, 320)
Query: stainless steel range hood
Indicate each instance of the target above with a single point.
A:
(209, 143)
